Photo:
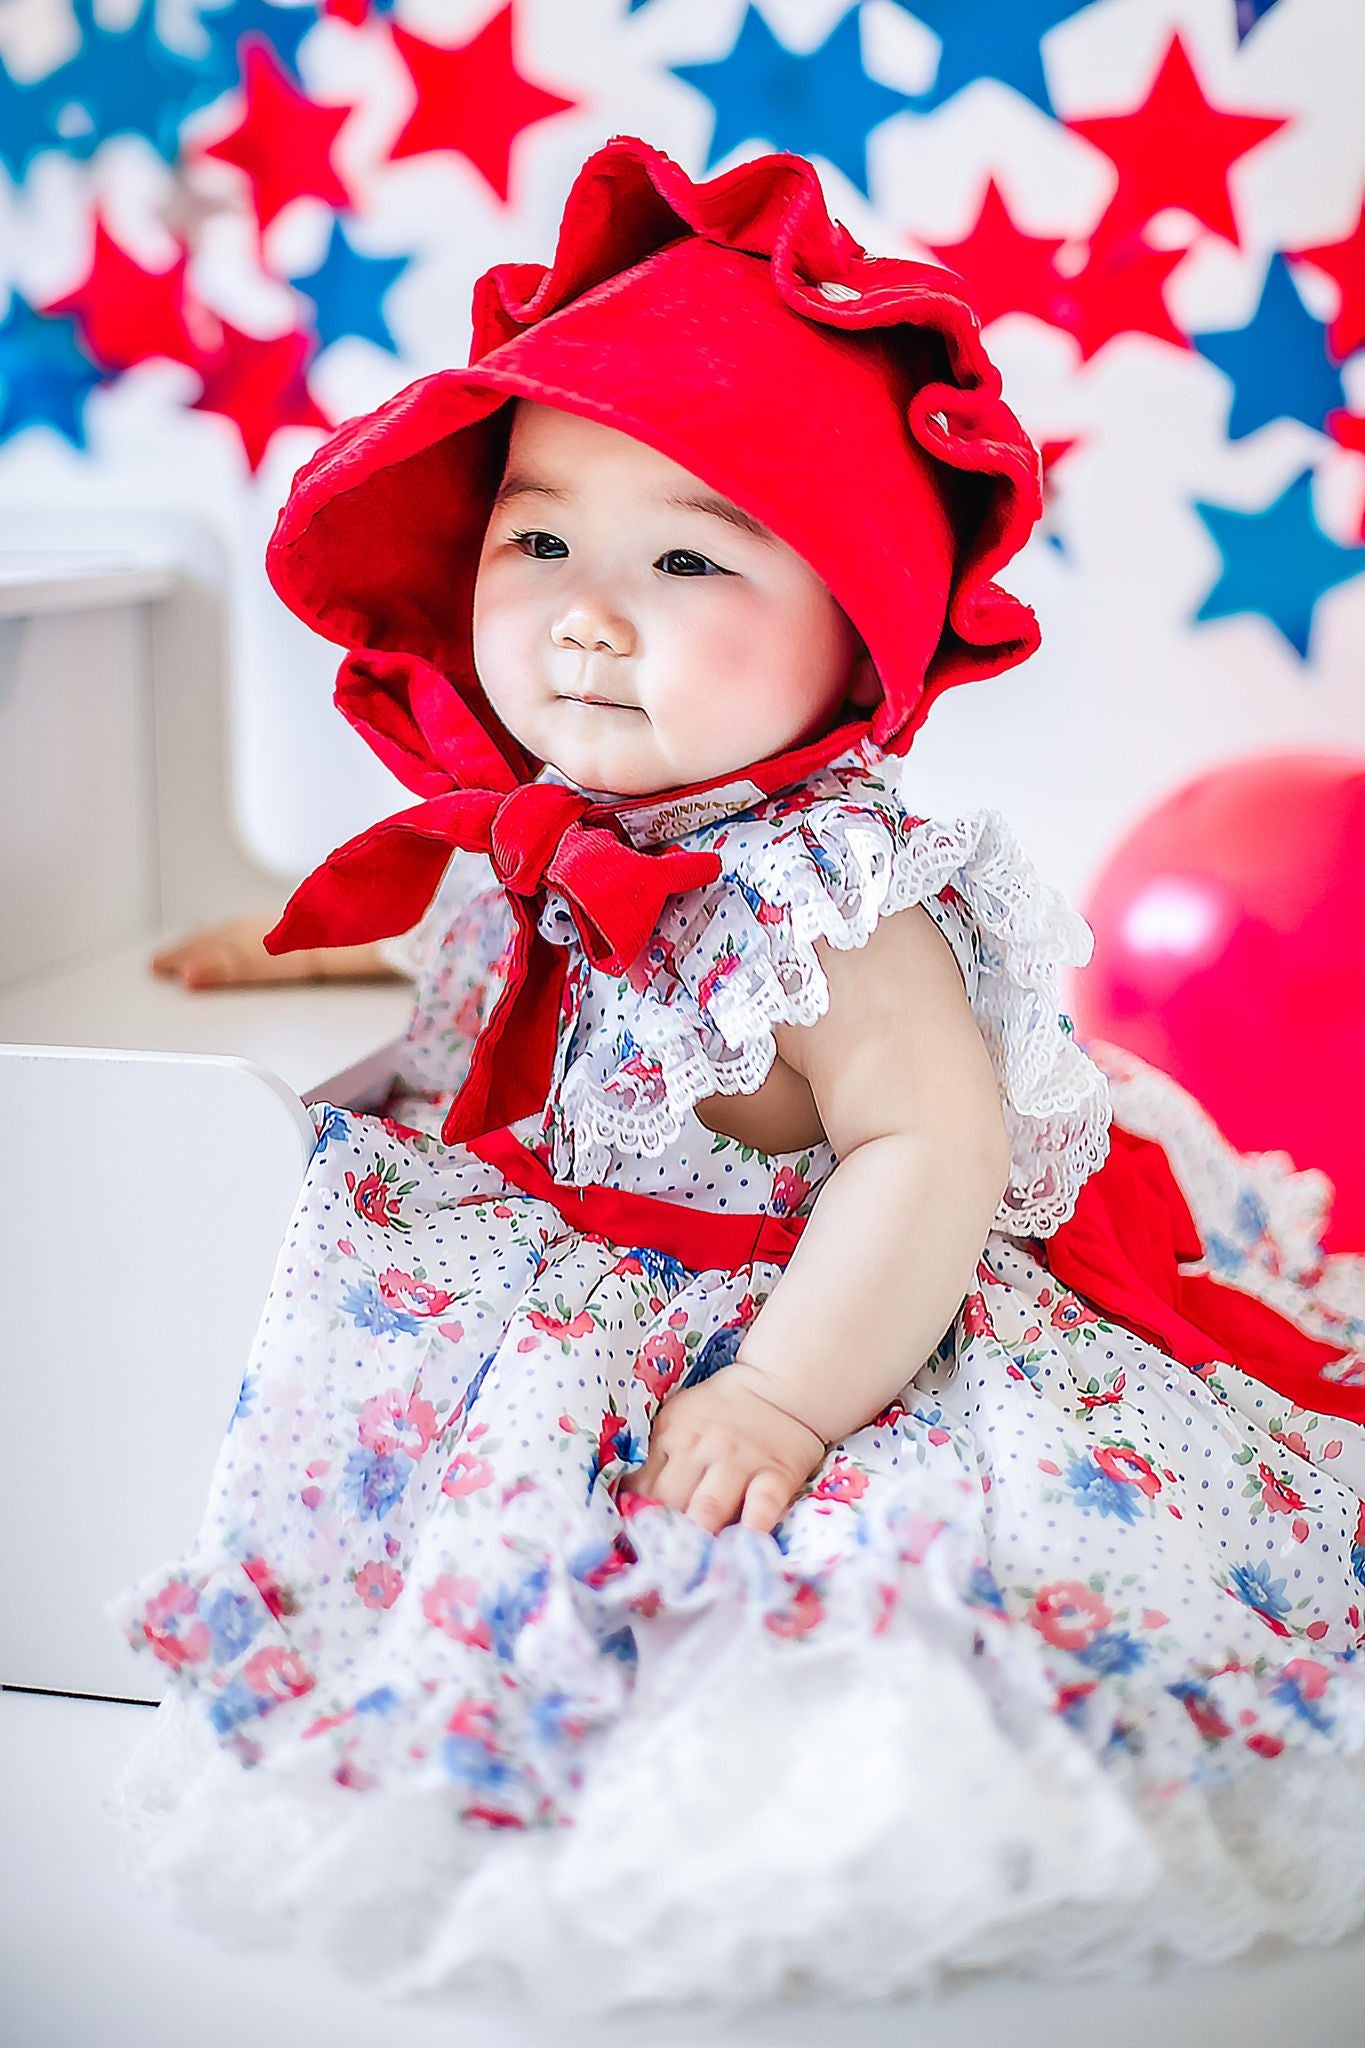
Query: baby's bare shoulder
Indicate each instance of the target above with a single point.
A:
(899, 1047)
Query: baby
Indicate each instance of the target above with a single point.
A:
(775, 1366)
(602, 654)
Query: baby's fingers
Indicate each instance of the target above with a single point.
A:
(767, 1499)
(654, 1479)
(204, 966)
(685, 1478)
(171, 958)
(714, 1499)
(228, 955)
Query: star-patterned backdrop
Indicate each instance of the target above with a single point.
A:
(229, 224)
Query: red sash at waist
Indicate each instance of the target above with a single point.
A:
(1121, 1250)
(700, 1238)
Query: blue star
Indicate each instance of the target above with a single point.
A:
(25, 123)
(819, 104)
(121, 81)
(1248, 13)
(1278, 362)
(283, 27)
(347, 290)
(1277, 562)
(45, 376)
(990, 39)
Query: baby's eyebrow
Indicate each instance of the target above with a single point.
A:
(721, 508)
(517, 484)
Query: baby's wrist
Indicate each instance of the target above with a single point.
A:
(743, 1372)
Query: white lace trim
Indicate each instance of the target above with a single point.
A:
(832, 871)
(1029, 1843)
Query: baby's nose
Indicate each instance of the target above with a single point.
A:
(595, 626)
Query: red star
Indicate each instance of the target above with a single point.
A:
(1348, 428)
(285, 143)
(1052, 452)
(1174, 150)
(260, 386)
(472, 99)
(1344, 263)
(1008, 270)
(127, 314)
(1119, 292)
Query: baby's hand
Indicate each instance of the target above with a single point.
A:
(720, 1444)
(232, 955)
(224, 956)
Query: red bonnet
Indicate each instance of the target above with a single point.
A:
(845, 400)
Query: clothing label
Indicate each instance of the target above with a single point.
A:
(680, 815)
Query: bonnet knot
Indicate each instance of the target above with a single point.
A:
(526, 831)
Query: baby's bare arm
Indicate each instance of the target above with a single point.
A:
(909, 1101)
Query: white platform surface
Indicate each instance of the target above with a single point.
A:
(302, 1031)
(83, 1961)
(34, 581)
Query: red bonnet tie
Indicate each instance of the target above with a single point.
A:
(537, 835)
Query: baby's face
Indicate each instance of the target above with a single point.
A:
(610, 572)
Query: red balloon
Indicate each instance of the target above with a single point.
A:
(1230, 952)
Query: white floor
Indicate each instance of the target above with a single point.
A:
(81, 1962)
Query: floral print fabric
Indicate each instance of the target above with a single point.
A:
(416, 1592)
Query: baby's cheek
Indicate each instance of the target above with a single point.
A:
(504, 659)
(505, 612)
(725, 684)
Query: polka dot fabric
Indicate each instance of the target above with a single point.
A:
(1055, 1662)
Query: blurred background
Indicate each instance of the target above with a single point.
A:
(227, 227)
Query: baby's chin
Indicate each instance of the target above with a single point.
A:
(600, 778)
(611, 751)
(603, 750)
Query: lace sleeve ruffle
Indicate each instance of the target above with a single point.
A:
(730, 961)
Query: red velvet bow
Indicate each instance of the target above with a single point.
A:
(537, 836)
(1122, 1249)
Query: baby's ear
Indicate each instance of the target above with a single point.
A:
(864, 684)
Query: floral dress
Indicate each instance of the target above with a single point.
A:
(1054, 1663)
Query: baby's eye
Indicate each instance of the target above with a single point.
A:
(695, 564)
(534, 551)
(692, 564)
